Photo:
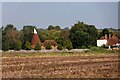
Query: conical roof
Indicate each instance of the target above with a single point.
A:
(35, 32)
(35, 39)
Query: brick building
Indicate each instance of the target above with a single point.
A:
(36, 39)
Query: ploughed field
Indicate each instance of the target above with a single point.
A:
(91, 66)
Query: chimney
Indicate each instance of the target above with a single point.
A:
(109, 36)
(106, 36)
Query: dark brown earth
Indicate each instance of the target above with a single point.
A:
(94, 66)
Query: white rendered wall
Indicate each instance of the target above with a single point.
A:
(101, 42)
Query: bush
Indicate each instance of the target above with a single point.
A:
(103, 46)
(59, 47)
(48, 46)
(101, 50)
(18, 45)
(6, 46)
(69, 46)
(37, 46)
(83, 47)
(27, 46)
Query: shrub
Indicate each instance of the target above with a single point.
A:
(18, 45)
(69, 46)
(37, 46)
(48, 46)
(83, 47)
(27, 46)
(6, 46)
(103, 46)
(59, 47)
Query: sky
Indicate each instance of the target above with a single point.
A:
(64, 14)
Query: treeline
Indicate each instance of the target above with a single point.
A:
(80, 35)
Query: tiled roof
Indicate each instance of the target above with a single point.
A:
(113, 40)
(51, 42)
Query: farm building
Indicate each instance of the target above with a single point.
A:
(102, 41)
(36, 39)
(111, 41)
(51, 42)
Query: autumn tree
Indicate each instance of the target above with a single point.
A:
(11, 35)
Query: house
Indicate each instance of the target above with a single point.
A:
(113, 42)
(36, 39)
(102, 40)
(110, 41)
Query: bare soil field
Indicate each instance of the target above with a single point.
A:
(92, 66)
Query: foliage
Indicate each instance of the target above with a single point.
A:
(105, 31)
(17, 45)
(67, 44)
(83, 35)
(118, 34)
(27, 45)
(80, 35)
(37, 46)
(48, 46)
(27, 33)
(5, 46)
(50, 27)
(59, 47)
(11, 34)
(101, 50)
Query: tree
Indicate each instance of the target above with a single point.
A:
(48, 46)
(11, 34)
(59, 47)
(17, 45)
(27, 45)
(40, 34)
(37, 46)
(50, 27)
(105, 31)
(69, 46)
(5, 46)
(118, 34)
(57, 28)
(83, 35)
(27, 33)
(10, 27)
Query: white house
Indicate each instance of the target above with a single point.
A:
(101, 42)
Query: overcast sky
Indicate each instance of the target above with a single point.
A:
(64, 14)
